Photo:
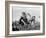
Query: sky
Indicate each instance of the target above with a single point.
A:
(17, 12)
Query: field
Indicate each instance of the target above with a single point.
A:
(18, 27)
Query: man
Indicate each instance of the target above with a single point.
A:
(33, 19)
(23, 20)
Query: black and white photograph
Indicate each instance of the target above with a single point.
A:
(25, 18)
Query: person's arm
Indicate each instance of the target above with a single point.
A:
(23, 22)
(29, 14)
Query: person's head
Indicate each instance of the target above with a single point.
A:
(23, 14)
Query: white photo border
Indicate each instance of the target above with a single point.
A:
(24, 32)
